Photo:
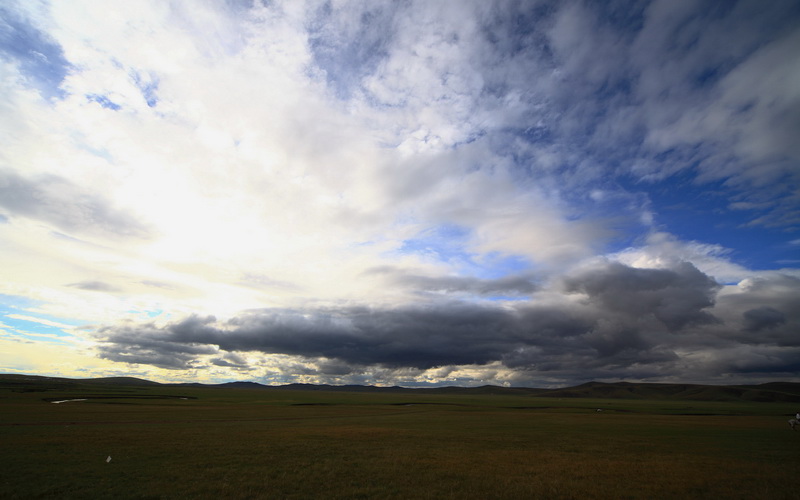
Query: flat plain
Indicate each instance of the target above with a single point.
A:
(210, 442)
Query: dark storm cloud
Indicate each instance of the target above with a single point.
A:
(57, 201)
(335, 368)
(173, 361)
(676, 297)
(146, 344)
(231, 360)
(763, 361)
(625, 320)
(419, 337)
(762, 317)
(764, 310)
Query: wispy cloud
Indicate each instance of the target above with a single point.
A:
(94, 286)
(35, 319)
(66, 206)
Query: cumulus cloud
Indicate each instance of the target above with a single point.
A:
(763, 309)
(676, 297)
(660, 249)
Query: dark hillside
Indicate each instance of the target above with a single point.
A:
(769, 392)
(774, 392)
(121, 381)
(785, 387)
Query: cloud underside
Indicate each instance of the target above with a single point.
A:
(604, 321)
(66, 206)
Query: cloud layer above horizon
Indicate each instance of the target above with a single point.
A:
(414, 193)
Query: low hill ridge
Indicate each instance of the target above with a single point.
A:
(767, 392)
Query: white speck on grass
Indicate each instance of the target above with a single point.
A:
(67, 401)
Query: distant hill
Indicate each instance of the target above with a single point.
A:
(768, 392)
(124, 381)
(37, 383)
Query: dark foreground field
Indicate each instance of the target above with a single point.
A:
(251, 443)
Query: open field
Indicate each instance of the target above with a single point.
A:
(255, 443)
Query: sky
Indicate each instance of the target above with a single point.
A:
(413, 193)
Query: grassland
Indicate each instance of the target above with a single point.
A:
(251, 443)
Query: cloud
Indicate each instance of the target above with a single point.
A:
(763, 309)
(603, 320)
(144, 345)
(676, 297)
(35, 319)
(505, 286)
(94, 286)
(57, 201)
(231, 360)
(762, 317)
(423, 337)
(706, 101)
(348, 40)
(629, 319)
(411, 191)
(663, 250)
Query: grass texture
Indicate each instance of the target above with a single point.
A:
(239, 443)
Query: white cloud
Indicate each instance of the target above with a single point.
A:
(663, 250)
(42, 321)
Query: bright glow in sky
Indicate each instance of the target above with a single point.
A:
(437, 192)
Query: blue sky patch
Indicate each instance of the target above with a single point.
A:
(148, 87)
(17, 312)
(447, 244)
(38, 56)
(104, 101)
(26, 325)
(701, 212)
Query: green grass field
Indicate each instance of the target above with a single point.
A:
(240, 443)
